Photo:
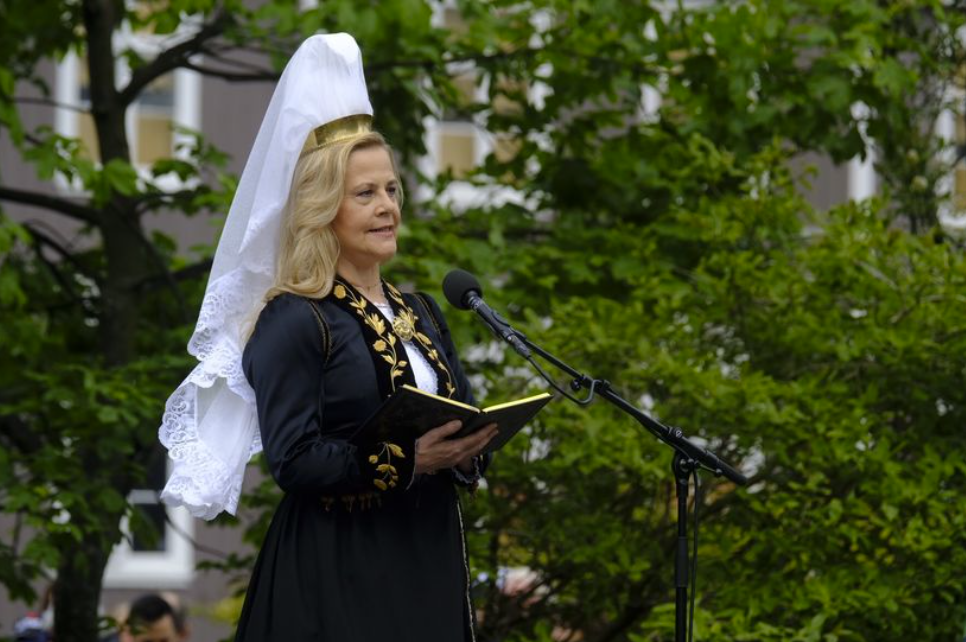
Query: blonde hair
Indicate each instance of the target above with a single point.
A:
(308, 247)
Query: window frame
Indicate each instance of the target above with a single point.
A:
(185, 113)
(172, 568)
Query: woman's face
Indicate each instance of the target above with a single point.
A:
(369, 215)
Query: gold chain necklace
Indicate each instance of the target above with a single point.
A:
(366, 288)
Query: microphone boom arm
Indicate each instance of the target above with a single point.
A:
(673, 437)
(497, 323)
(688, 456)
(463, 291)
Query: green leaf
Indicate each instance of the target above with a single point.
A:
(121, 177)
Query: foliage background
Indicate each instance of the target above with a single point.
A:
(670, 253)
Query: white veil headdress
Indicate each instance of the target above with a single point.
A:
(210, 426)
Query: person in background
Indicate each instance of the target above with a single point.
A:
(37, 626)
(180, 613)
(30, 628)
(152, 618)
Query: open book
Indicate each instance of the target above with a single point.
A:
(410, 412)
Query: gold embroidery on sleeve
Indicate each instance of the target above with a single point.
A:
(386, 474)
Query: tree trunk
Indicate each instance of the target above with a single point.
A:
(124, 244)
(128, 264)
(77, 592)
(101, 17)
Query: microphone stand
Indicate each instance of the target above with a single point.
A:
(688, 458)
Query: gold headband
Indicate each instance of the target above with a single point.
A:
(336, 130)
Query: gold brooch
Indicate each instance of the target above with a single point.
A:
(402, 325)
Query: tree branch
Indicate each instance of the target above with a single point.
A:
(190, 272)
(65, 284)
(175, 57)
(60, 246)
(151, 200)
(167, 277)
(198, 546)
(212, 54)
(19, 435)
(59, 205)
(178, 57)
(261, 74)
(254, 76)
(43, 240)
(27, 100)
(200, 268)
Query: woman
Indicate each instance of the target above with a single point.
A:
(364, 545)
(343, 559)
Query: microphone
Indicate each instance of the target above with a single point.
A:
(463, 291)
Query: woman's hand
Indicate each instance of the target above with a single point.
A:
(435, 451)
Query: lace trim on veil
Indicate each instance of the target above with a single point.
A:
(209, 457)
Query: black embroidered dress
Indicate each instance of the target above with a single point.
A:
(344, 560)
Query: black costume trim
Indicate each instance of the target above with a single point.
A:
(363, 500)
(323, 329)
(429, 310)
(470, 611)
(384, 339)
(423, 342)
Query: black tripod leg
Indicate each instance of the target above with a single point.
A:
(682, 467)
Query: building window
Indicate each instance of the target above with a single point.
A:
(959, 171)
(163, 557)
(153, 116)
(456, 148)
(76, 91)
(454, 142)
(950, 127)
(170, 102)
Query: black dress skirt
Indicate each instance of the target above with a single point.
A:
(342, 560)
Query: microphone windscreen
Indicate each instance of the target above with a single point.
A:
(457, 284)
